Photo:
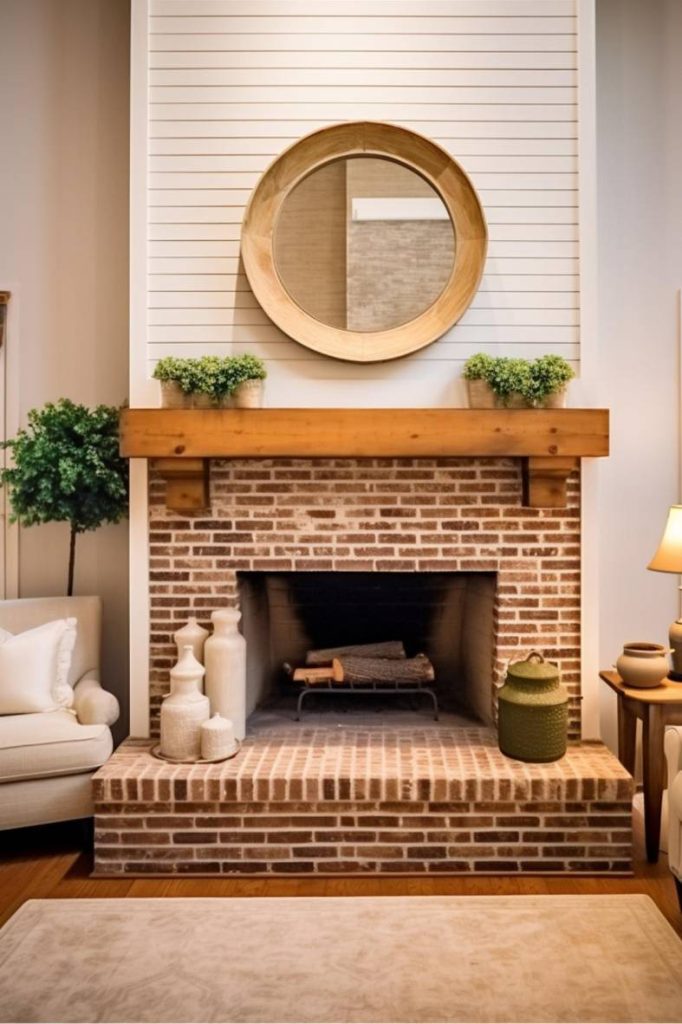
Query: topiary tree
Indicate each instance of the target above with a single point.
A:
(67, 469)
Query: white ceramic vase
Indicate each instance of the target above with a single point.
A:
(225, 659)
(184, 710)
(194, 635)
(217, 738)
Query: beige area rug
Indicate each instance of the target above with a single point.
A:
(438, 958)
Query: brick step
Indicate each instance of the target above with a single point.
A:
(356, 801)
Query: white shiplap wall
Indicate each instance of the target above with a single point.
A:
(234, 82)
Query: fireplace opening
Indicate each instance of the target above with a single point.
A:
(447, 616)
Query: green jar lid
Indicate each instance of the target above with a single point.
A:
(533, 669)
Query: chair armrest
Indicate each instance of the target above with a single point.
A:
(92, 704)
(675, 826)
(672, 744)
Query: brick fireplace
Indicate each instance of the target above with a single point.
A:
(383, 516)
(391, 792)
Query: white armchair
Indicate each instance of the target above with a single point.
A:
(47, 760)
(673, 753)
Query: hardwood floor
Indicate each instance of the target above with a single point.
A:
(50, 863)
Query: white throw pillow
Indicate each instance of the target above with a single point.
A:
(34, 668)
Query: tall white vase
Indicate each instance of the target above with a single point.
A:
(194, 635)
(225, 659)
(184, 710)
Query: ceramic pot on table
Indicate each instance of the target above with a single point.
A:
(643, 665)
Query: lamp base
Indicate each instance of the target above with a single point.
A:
(675, 638)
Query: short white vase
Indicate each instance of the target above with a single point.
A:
(194, 635)
(184, 710)
(225, 659)
(217, 738)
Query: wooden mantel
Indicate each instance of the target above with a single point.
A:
(181, 441)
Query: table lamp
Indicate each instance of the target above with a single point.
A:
(668, 558)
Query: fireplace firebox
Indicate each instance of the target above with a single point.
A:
(446, 616)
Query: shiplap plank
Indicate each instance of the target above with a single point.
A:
(221, 80)
(230, 232)
(370, 42)
(237, 147)
(327, 111)
(208, 249)
(359, 8)
(507, 215)
(250, 315)
(445, 352)
(257, 163)
(492, 281)
(384, 94)
(248, 180)
(519, 60)
(289, 130)
(194, 300)
(198, 334)
(230, 265)
(223, 197)
(327, 25)
(193, 304)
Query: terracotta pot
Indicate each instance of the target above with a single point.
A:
(249, 395)
(643, 665)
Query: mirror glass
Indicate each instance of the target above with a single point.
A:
(364, 244)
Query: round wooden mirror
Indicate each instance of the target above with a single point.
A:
(364, 241)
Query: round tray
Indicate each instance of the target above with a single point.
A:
(156, 752)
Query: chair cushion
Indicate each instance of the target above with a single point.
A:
(34, 668)
(38, 746)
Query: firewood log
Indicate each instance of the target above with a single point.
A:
(393, 649)
(378, 670)
(312, 676)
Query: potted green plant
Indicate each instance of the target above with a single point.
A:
(67, 469)
(194, 383)
(211, 381)
(502, 381)
(246, 374)
(549, 379)
(477, 370)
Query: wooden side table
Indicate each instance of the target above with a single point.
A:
(656, 708)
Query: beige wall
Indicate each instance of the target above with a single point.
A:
(639, 156)
(64, 79)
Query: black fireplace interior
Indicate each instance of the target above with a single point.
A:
(447, 616)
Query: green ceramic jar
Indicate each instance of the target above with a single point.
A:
(533, 711)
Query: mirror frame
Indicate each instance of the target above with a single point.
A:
(364, 138)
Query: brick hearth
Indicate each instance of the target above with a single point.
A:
(304, 800)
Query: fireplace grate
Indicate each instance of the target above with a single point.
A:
(397, 689)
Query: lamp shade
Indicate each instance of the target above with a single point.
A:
(668, 557)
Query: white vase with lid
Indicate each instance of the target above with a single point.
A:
(184, 710)
(225, 659)
(194, 635)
